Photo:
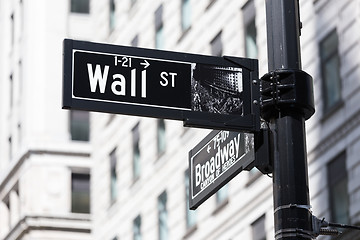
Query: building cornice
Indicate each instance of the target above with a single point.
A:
(334, 137)
(80, 224)
(13, 168)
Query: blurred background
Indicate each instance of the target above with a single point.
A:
(67, 175)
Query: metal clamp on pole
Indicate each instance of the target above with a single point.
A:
(292, 233)
(286, 90)
(307, 207)
(293, 224)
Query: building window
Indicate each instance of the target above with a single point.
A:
(132, 3)
(161, 136)
(251, 49)
(338, 190)
(6, 215)
(159, 38)
(10, 148)
(135, 41)
(250, 40)
(216, 45)
(162, 214)
(112, 15)
(136, 152)
(185, 14)
(113, 176)
(20, 77)
(80, 193)
(222, 195)
(330, 68)
(190, 215)
(11, 78)
(19, 133)
(12, 34)
(258, 229)
(79, 125)
(80, 6)
(14, 201)
(137, 228)
(21, 16)
(159, 29)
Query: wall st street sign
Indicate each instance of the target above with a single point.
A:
(218, 158)
(203, 91)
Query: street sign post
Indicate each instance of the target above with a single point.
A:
(291, 103)
(218, 158)
(203, 91)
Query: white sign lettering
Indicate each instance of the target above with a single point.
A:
(165, 81)
(205, 173)
(118, 86)
(97, 77)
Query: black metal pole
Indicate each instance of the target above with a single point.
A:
(290, 177)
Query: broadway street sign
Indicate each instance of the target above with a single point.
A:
(202, 91)
(218, 158)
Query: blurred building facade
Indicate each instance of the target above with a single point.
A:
(44, 159)
(139, 176)
(142, 168)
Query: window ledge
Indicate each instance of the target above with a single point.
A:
(220, 206)
(211, 3)
(253, 178)
(112, 203)
(328, 113)
(184, 33)
(79, 14)
(135, 180)
(159, 156)
(190, 231)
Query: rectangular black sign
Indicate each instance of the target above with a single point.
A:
(218, 158)
(202, 91)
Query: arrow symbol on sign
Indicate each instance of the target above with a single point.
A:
(208, 149)
(145, 64)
